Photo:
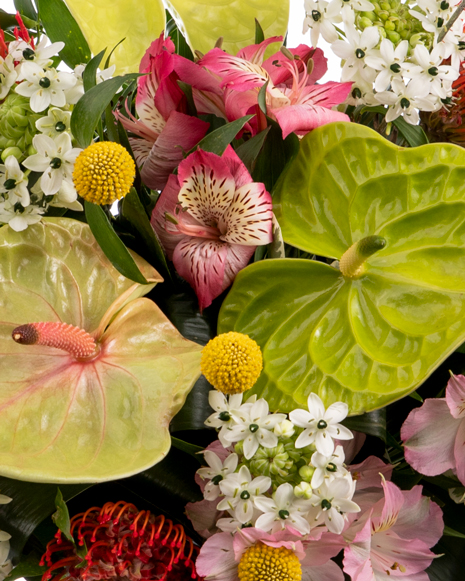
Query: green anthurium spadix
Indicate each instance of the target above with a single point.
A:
(91, 373)
(371, 327)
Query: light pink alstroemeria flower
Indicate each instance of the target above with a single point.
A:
(292, 97)
(393, 538)
(210, 218)
(163, 129)
(434, 434)
(220, 555)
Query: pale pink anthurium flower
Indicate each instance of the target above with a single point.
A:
(434, 434)
(210, 218)
(392, 539)
(221, 554)
(292, 96)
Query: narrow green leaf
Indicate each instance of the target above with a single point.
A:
(415, 395)
(262, 98)
(187, 90)
(259, 34)
(217, 141)
(414, 134)
(448, 532)
(29, 567)
(61, 516)
(276, 248)
(259, 253)
(191, 449)
(91, 105)
(442, 481)
(111, 125)
(372, 423)
(181, 46)
(61, 26)
(107, 61)
(26, 8)
(250, 149)
(134, 211)
(111, 245)
(89, 76)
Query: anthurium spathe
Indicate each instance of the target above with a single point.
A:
(292, 96)
(434, 434)
(372, 327)
(164, 132)
(210, 218)
(89, 395)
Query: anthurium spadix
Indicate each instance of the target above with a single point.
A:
(91, 373)
(368, 329)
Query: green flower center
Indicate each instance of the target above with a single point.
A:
(359, 53)
(325, 504)
(60, 126)
(44, 82)
(284, 514)
(322, 425)
(316, 15)
(331, 467)
(217, 479)
(224, 417)
(253, 428)
(245, 495)
(395, 68)
(9, 184)
(404, 103)
(433, 71)
(356, 93)
(55, 163)
(28, 54)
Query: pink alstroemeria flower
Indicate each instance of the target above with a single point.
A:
(292, 97)
(163, 129)
(393, 538)
(434, 434)
(210, 218)
(220, 555)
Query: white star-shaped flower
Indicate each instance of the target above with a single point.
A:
(327, 467)
(216, 472)
(320, 18)
(332, 500)
(223, 415)
(18, 217)
(354, 50)
(283, 510)
(406, 100)
(321, 425)
(13, 182)
(388, 61)
(45, 87)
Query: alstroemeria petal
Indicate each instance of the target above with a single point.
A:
(180, 134)
(248, 220)
(327, 572)
(216, 558)
(236, 72)
(281, 74)
(304, 118)
(202, 263)
(429, 435)
(455, 396)
(420, 518)
(207, 187)
(254, 52)
(459, 452)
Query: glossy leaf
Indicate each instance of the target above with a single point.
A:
(61, 516)
(414, 134)
(111, 245)
(90, 72)
(375, 338)
(219, 139)
(105, 22)
(90, 107)
(25, 569)
(234, 20)
(69, 420)
(61, 26)
(26, 8)
(250, 149)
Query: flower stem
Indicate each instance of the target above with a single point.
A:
(450, 22)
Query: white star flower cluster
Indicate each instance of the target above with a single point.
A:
(274, 472)
(37, 148)
(391, 51)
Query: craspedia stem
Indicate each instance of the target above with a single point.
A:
(351, 263)
(72, 339)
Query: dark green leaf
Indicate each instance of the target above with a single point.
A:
(372, 423)
(89, 76)
(448, 532)
(276, 248)
(29, 567)
(415, 395)
(88, 110)
(9, 21)
(61, 26)
(274, 156)
(262, 98)
(442, 481)
(32, 503)
(449, 566)
(181, 46)
(26, 8)
(134, 211)
(259, 34)
(217, 141)
(111, 125)
(61, 516)
(187, 90)
(414, 134)
(107, 61)
(250, 149)
(259, 253)
(191, 449)
(111, 245)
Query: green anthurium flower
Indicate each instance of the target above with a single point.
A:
(89, 395)
(372, 327)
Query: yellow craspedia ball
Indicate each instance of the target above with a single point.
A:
(104, 172)
(232, 362)
(263, 563)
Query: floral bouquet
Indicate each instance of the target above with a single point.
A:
(232, 293)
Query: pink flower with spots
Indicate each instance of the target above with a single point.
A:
(293, 98)
(210, 218)
(392, 539)
(434, 434)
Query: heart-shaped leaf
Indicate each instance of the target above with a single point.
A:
(64, 419)
(370, 337)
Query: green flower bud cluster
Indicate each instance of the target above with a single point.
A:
(395, 23)
(17, 127)
(283, 463)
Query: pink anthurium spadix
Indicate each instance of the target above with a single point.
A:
(434, 434)
(91, 373)
(210, 219)
(163, 130)
(292, 96)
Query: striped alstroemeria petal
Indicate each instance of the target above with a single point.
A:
(207, 187)
(237, 73)
(248, 220)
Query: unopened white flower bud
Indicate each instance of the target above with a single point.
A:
(303, 490)
(284, 429)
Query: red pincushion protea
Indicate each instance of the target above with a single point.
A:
(122, 542)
